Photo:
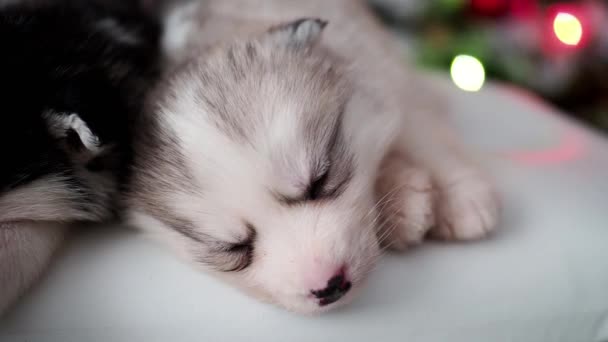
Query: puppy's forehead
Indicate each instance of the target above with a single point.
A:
(248, 88)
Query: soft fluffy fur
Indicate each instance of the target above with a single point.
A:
(73, 76)
(281, 153)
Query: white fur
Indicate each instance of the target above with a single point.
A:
(46, 199)
(115, 30)
(390, 115)
(25, 250)
(177, 28)
(60, 124)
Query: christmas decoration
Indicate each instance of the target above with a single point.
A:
(558, 49)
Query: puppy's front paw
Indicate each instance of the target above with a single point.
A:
(406, 204)
(467, 209)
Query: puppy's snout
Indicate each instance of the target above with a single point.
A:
(336, 288)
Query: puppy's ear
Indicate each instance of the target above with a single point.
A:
(74, 133)
(301, 33)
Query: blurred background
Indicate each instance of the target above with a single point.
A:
(557, 49)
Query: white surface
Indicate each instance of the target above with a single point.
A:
(543, 277)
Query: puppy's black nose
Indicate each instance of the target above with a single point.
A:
(336, 288)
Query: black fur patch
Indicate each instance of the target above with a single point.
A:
(56, 56)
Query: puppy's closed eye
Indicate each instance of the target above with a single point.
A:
(316, 189)
(234, 257)
(326, 185)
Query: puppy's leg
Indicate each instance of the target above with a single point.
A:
(25, 251)
(405, 201)
(466, 206)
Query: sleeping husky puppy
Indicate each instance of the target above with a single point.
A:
(289, 143)
(73, 73)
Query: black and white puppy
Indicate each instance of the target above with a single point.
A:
(290, 142)
(73, 77)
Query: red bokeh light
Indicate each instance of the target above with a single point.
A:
(551, 42)
(524, 8)
(490, 7)
(568, 28)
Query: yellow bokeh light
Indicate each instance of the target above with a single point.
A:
(568, 28)
(468, 73)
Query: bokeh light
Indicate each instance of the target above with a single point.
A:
(568, 28)
(468, 73)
